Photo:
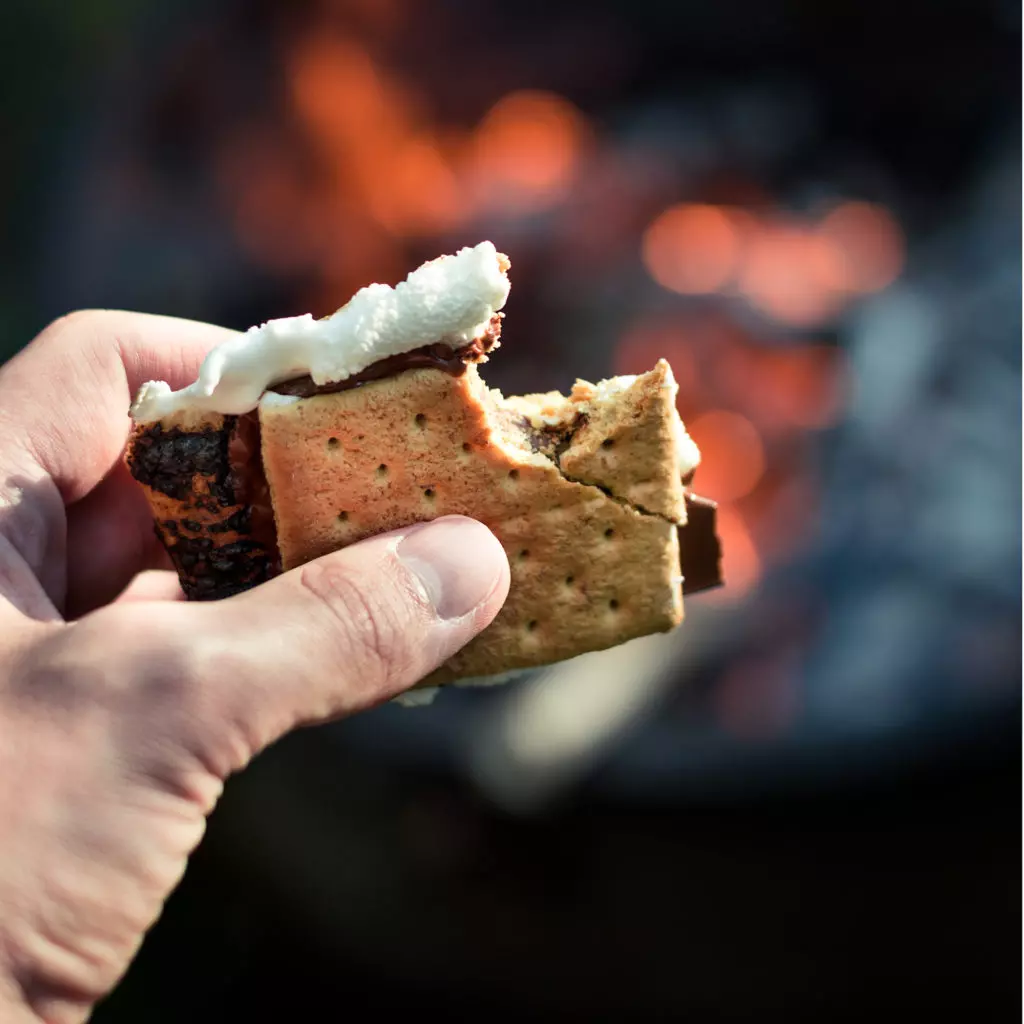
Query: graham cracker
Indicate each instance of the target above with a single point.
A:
(592, 565)
(626, 441)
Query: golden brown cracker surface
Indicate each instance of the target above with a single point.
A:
(589, 570)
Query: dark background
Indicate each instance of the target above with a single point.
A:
(809, 803)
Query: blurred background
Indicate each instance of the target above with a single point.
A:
(807, 800)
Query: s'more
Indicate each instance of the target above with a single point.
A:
(302, 436)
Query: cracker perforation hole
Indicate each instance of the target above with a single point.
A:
(570, 580)
(342, 517)
(524, 554)
(531, 625)
(333, 443)
(467, 447)
(607, 443)
(613, 604)
(429, 493)
(609, 533)
(420, 420)
(513, 474)
(382, 470)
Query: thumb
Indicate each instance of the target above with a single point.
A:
(337, 635)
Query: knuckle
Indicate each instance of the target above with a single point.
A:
(171, 714)
(186, 703)
(148, 658)
(61, 338)
(48, 672)
(71, 327)
(368, 631)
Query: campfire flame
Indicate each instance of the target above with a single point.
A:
(361, 178)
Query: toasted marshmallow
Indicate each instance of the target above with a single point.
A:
(450, 299)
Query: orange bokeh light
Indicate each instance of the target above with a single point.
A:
(793, 275)
(338, 92)
(692, 248)
(527, 148)
(869, 243)
(803, 386)
(732, 455)
(382, 159)
(418, 193)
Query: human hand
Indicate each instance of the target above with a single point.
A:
(123, 708)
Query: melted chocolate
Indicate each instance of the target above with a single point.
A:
(551, 441)
(436, 357)
(700, 550)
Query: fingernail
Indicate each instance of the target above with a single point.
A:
(458, 561)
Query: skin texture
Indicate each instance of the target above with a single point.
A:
(123, 709)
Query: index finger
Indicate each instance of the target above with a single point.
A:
(64, 399)
(64, 422)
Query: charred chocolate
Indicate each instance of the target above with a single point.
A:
(234, 546)
(167, 461)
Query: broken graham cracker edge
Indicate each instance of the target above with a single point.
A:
(626, 441)
(589, 570)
